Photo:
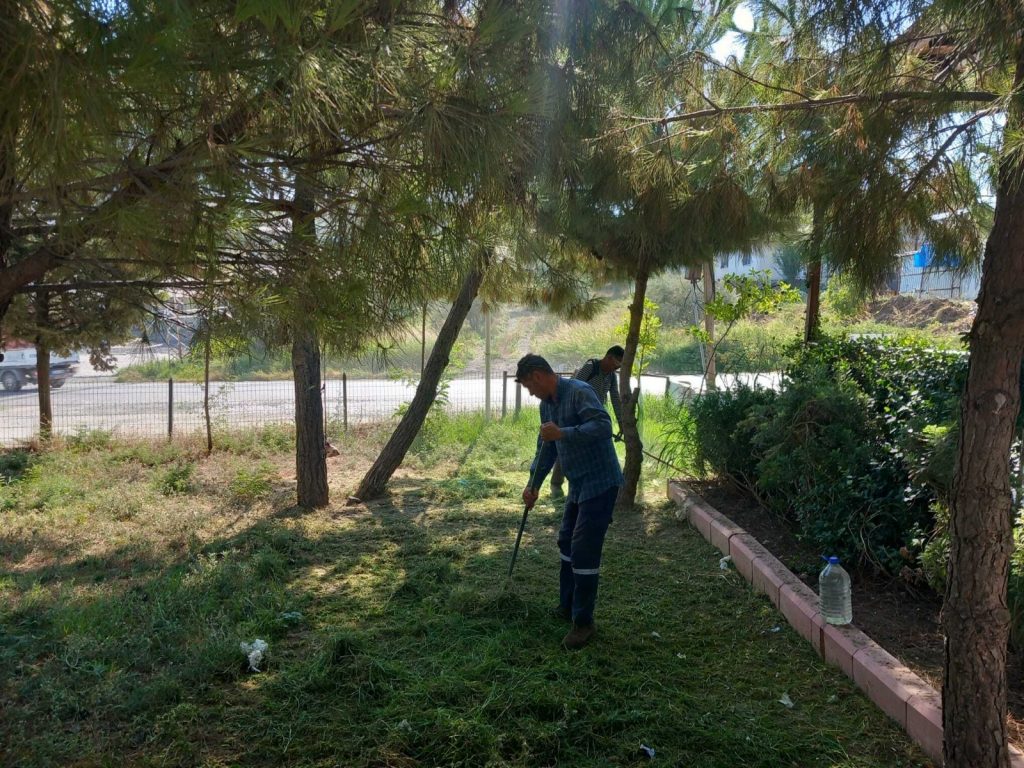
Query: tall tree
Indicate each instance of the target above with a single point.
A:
(652, 199)
(921, 84)
(391, 456)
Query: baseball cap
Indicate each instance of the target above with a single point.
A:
(530, 363)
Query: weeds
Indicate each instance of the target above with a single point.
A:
(250, 484)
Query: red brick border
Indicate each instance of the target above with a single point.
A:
(897, 691)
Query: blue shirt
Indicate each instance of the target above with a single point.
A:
(585, 451)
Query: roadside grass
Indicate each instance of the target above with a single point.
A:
(753, 345)
(394, 638)
(401, 360)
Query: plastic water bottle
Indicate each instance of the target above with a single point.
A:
(834, 593)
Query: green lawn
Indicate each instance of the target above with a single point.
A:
(130, 574)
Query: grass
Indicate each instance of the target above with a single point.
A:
(127, 583)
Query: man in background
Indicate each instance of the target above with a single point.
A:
(600, 374)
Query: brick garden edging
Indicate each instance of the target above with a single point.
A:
(897, 691)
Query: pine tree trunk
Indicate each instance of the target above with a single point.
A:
(975, 615)
(206, 392)
(43, 367)
(711, 370)
(630, 429)
(812, 321)
(7, 180)
(391, 457)
(310, 440)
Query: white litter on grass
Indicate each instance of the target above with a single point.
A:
(405, 725)
(724, 562)
(255, 651)
(655, 635)
(649, 751)
(786, 701)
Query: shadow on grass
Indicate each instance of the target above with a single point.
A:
(395, 639)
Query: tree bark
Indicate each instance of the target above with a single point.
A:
(975, 616)
(423, 340)
(711, 370)
(630, 428)
(812, 320)
(8, 145)
(390, 458)
(310, 440)
(43, 367)
(206, 391)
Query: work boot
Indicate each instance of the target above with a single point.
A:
(561, 613)
(578, 636)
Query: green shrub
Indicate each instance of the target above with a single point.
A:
(678, 438)
(725, 431)
(176, 479)
(13, 465)
(935, 554)
(815, 464)
(844, 297)
(251, 484)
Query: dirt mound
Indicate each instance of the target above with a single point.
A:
(910, 312)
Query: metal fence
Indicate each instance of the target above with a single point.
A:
(172, 408)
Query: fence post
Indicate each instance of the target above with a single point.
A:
(170, 408)
(667, 382)
(519, 397)
(504, 393)
(344, 400)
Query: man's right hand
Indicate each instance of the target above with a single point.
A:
(529, 497)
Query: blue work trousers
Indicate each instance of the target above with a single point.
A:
(580, 541)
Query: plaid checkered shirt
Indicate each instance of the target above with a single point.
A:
(604, 384)
(585, 451)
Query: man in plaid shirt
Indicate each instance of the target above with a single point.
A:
(600, 374)
(577, 430)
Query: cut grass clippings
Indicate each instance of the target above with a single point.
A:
(394, 639)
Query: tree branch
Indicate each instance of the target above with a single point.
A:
(834, 101)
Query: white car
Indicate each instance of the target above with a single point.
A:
(18, 368)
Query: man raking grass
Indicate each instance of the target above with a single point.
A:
(575, 429)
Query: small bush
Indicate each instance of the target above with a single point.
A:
(251, 484)
(820, 463)
(13, 465)
(844, 297)
(858, 449)
(725, 432)
(176, 479)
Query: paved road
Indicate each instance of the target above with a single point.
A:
(99, 403)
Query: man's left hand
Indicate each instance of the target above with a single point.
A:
(549, 431)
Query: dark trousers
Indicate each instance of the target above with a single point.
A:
(580, 541)
(556, 475)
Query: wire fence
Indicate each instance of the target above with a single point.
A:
(173, 408)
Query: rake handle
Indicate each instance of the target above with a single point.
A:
(519, 537)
